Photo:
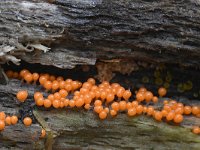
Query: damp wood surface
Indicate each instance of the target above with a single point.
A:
(79, 129)
(79, 32)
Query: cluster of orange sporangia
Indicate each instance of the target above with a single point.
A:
(105, 99)
(6, 120)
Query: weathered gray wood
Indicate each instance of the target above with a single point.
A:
(85, 130)
(154, 31)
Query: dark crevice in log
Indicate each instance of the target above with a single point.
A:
(135, 78)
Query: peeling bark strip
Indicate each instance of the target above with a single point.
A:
(154, 31)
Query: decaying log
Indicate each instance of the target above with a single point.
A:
(153, 31)
(79, 129)
(66, 33)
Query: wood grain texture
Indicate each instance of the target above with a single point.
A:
(152, 31)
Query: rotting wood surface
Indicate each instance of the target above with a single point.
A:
(81, 129)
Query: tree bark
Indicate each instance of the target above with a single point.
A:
(166, 31)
